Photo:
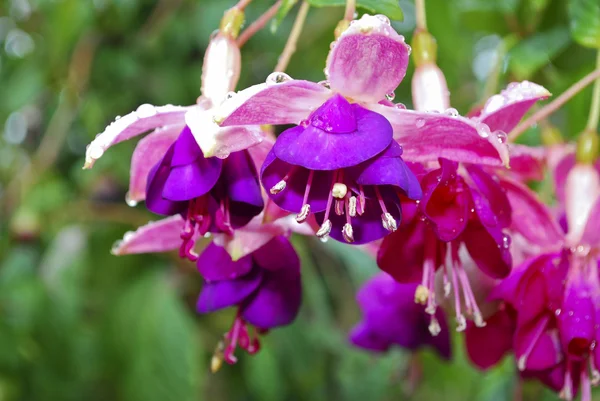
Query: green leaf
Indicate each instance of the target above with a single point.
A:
(528, 56)
(390, 8)
(585, 22)
(284, 9)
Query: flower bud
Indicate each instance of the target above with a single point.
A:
(429, 89)
(582, 189)
(221, 69)
(424, 48)
(232, 22)
(587, 147)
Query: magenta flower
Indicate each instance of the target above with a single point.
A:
(390, 317)
(557, 292)
(264, 286)
(342, 142)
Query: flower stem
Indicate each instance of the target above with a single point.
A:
(242, 4)
(421, 16)
(555, 104)
(592, 124)
(290, 46)
(350, 10)
(258, 24)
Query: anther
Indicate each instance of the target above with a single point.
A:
(348, 233)
(339, 190)
(434, 326)
(461, 323)
(388, 221)
(421, 294)
(339, 207)
(479, 322)
(352, 206)
(304, 213)
(325, 229)
(277, 188)
(217, 359)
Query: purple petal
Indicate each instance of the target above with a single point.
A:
(445, 201)
(496, 200)
(215, 264)
(368, 60)
(364, 337)
(489, 248)
(191, 181)
(291, 198)
(277, 301)
(288, 102)
(241, 181)
(317, 149)
(145, 118)
(156, 236)
(560, 175)
(157, 177)
(429, 136)
(217, 295)
(487, 345)
(527, 162)
(388, 168)
(530, 217)
(504, 111)
(545, 353)
(401, 254)
(147, 153)
(591, 233)
(277, 254)
(532, 293)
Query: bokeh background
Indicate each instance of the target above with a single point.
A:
(77, 323)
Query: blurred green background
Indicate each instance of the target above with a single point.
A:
(77, 323)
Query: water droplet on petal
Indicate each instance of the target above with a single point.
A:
(400, 106)
(420, 123)
(452, 112)
(483, 130)
(115, 246)
(277, 78)
(390, 96)
(408, 48)
(383, 19)
(130, 202)
(145, 110)
(117, 117)
(501, 135)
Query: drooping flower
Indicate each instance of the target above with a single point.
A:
(391, 318)
(556, 292)
(343, 165)
(264, 286)
(213, 195)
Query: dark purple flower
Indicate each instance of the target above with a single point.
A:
(465, 209)
(265, 287)
(342, 165)
(213, 195)
(391, 317)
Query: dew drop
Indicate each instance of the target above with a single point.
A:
(483, 130)
(383, 19)
(506, 241)
(400, 106)
(390, 96)
(452, 112)
(502, 137)
(95, 152)
(277, 78)
(128, 236)
(557, 312)
(145, 110)
(408, 48)
(420, 123)
(115, 246)
(130, 202)
(117, 118)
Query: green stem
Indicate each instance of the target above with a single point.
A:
(421, 15)
(592, 124)
(290, 46)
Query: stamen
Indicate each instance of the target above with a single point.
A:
(277, 188)
(339, 207)
(461, 323)
(217, 359)
(586, 387)
(389, 223)
(325, 229)
(339, 190)
(280, 186)
(429, 265)
(348, 233)
(360, 208)
(434, 326)
(567, 391)
(595, 374)
(522, 361)
(305, 211)
(421, 294)
(352, 206)
(238, 335)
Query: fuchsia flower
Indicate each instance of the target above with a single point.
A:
(335, 162)
(557, 292)
(264, 285)
(463, 205)
(391, 317)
